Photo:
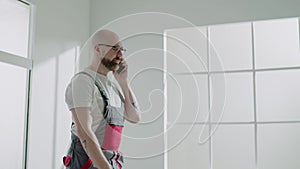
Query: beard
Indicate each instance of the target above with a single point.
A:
(110, 64)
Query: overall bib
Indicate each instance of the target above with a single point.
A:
(108, 135)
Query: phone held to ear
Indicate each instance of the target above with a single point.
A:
(121, 67)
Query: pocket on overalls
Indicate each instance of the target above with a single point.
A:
(77, 157)
(67, 160)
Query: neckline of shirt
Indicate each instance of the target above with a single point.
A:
(99, 76)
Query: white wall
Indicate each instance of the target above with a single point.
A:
(61, 27)
(204, 12)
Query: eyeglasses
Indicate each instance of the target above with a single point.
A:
(115, 48)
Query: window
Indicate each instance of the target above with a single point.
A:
(15, 66)
(256, 65)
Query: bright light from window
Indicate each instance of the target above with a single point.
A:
(14, 27)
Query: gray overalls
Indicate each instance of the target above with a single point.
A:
(108, 134)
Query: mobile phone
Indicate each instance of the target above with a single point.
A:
(121, 67)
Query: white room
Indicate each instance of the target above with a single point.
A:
(216, 81)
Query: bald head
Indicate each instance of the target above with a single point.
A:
(105, 37)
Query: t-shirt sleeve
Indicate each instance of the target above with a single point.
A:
(79, 92)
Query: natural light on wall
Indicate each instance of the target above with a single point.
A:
(14, 71)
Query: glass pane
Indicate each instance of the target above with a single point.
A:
(14, 27)
(187, 98)
(188, 147)
(12, 99)
(277, 43)
(278, 146)
(278, 95)
(232, 46)
(238, 89)
(233, 147)
(186, 50)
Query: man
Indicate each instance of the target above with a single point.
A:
(99, 108)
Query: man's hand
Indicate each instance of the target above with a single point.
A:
(122, 76)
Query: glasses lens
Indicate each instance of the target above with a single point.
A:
(117, 49)
(122, 50)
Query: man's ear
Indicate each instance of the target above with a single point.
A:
(97, 49)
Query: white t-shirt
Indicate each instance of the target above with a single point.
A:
(82, 92)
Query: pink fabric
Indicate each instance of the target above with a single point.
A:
(88, 164)
(67, 160)
(112, 137)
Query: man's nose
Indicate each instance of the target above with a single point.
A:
(120, 54)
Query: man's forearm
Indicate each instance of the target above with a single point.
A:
(93, 150)
(132, 112)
